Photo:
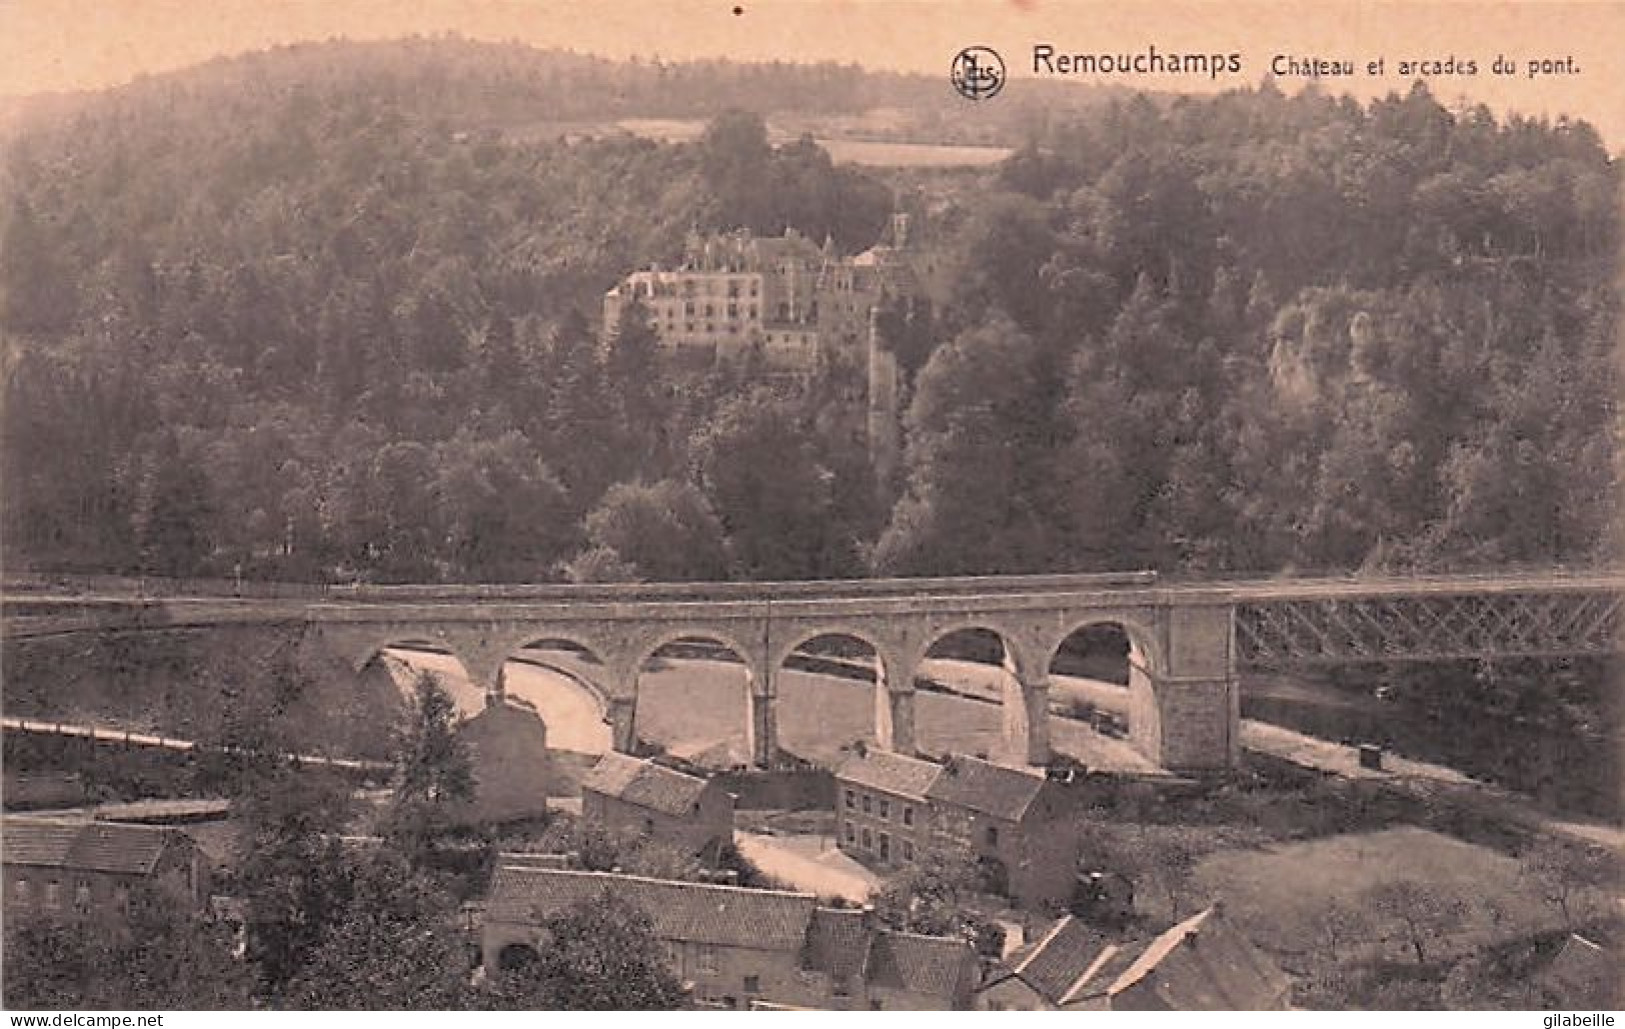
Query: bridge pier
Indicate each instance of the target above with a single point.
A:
(623, 730)
(894, 719)
(762, 730)
(1025, 709)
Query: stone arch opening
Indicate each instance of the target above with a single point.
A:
(825, 695)
(402, 661)
(965, 678)
(1100, 684)
(561, 678)
(694, 700)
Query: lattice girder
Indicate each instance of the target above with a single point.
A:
(1431, 627)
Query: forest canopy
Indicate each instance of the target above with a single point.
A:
(325, 313)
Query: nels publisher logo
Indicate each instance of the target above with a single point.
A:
(977, 72)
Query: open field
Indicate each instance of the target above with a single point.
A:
(1279, 893)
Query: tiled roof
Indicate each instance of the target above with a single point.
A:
(986, 788)
(838, 941)
(645, 784)
(84, 846)
(1202, 964)
(695, 912)
(930, 965)
(892, 773)
(1060, 958)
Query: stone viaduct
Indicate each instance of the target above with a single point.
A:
(1187, 641)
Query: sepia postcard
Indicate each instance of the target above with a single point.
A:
(811, 505)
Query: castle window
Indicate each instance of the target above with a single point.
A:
(885, 805)
(868, 804)
(908, 814)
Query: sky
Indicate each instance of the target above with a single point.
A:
(50, 45)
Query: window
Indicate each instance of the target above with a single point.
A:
(19, 890)
(851, 834)
(81, 896)
(868, 840)
(53, 895)
(753, 984)
(885, 847)
(908, 814)
(707, 958)
(851, 798)
(908, 850)
(867, 804)
(992, 836)
(885, 808)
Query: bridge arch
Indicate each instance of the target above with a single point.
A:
(754, 697)
(1143, 665)
(557, 673)
(854, 656)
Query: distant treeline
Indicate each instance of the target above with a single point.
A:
(283, 316)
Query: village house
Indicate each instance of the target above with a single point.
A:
(627, 796)
(734, 947)
(1200, 964)
(66, 870)
(507, 748)
(892, 810)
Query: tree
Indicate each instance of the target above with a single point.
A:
(1568, 875)
(598, 955)
(773, 498)
(974, 500)
(666, 532)
(933, 897)
(1420, 913)
(165, 956)
(1341, 928)
(398, 946)
(434, 775)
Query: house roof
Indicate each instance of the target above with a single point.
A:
(694, 912)
(84, 845)
(1202, 964)
(833, 941)
(932, 965)
(1060, 959)
(644, 783)
(838, 942)
(986, 788)
(890, 772)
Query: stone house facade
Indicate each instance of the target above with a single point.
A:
(627, 796)
(737, 948)
(892, 810)
(67, 871)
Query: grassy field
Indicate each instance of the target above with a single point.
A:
(1280, 894)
